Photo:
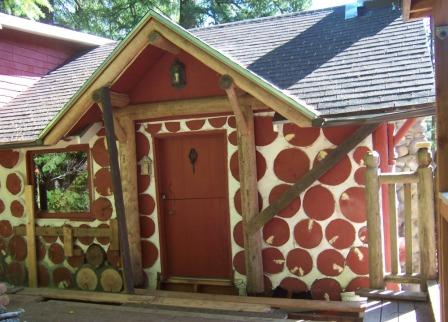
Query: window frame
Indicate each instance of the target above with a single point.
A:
(75, 216)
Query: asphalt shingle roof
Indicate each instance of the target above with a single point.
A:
(335, 65)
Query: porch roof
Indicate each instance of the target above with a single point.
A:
(313, 58)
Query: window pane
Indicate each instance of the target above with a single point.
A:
(61, 181)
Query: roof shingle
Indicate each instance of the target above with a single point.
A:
(335, 65)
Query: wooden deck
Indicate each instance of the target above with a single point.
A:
(399, 311)
(54, 305)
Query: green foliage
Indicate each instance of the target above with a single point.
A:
(115, 18)
(33, 9)
(63, 178)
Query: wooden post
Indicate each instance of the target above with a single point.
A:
(128, 166)
(395, 267)
(118, 192)
(68, 240)
(440, 15)
(249, 187)
(374, 222)
(408, 226)
(31, 235)
(426, 222)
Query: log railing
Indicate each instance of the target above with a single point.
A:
(423, 178)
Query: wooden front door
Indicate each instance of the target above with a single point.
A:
(193, 199)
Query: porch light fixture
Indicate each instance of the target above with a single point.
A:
(177, 72)
(146, 166)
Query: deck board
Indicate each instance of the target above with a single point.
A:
(399, 311)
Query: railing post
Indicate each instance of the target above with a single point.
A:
(374, 221)
(426, 221)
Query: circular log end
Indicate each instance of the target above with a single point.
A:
(225, 82)
(372, 159)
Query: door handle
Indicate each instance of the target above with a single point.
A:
(163, 196)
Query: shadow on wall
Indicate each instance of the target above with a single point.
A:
(318, 44)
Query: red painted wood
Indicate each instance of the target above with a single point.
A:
(299, 262)
(155, 84)
(24, 58)
(326, 289)
(194, 213)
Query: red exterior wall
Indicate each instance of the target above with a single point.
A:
(24, 58)
(155, 85)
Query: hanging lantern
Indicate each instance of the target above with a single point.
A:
(178, 74)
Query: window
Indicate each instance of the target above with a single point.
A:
(60, 180)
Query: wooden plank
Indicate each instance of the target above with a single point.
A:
(197, 106)
(128, 166)
(404, 278)
(406, 311)
(157, 40)
(393, 229)
(426, 221)
(31, 235)
(408, 226)
(440, 19)
(434, 299)
(392, 295)
(389, 311)
(423, 312)
(374, 221)
(373, 313)
(114, 239)
(248, 187)
(68, 240)
(118, 100)
(403, 177)
(310, 177)
(57, 231)
(118, 192)
(119, 132)
(150, 295)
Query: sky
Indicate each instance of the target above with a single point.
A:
(317, 4)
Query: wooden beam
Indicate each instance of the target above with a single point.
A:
(227, 84)
(120, 135)
(128, 166)
(248, 187)
(114, 69)
(117, 188)
(311, 176)
(31, 235)
(118, 100)
(157, 40)
(197, 106)
(59, 232)
(440, 20)
(68, 240)
(421, 5)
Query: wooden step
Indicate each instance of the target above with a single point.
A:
(392, 295)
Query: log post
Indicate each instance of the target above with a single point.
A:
(249, 187)
(440, 19)
(31, 235)
(128, 166)
(105, 101)
(426, 221)
(374, 222)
